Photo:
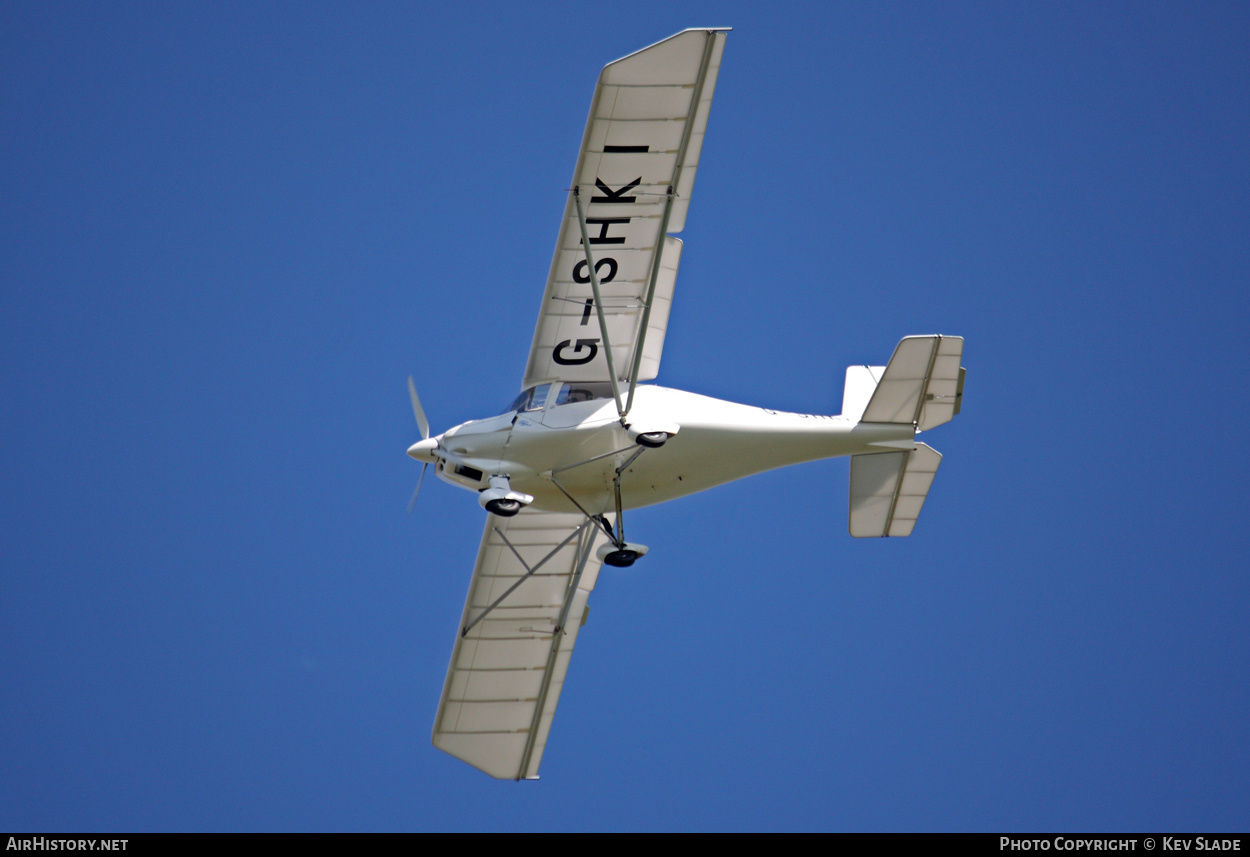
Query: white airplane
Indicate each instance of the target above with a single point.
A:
(585, 440)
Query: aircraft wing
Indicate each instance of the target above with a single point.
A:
(642, 142)
(507, 671)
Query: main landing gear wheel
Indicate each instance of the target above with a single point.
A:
(504, 508)
(622, 558)
(652, 439)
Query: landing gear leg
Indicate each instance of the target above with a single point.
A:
(625, 554)
(617, 553)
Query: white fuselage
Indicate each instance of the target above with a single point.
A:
(715, 442)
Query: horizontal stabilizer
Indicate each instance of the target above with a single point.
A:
(922, 384)
(888, 490)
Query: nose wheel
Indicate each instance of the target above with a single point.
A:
(499, 499)
(503, 508)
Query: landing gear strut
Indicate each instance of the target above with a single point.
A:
(624, 555)
(618, 552)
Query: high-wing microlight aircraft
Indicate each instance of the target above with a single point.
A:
(586, 441)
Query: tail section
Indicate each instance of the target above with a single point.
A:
(923, 386)
(923, 383)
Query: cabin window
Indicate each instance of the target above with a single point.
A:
(583, 391)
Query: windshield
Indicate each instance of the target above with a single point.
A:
(570, 393)
(532, 399)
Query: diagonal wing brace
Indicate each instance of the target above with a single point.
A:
(528, 572)
(683, 148)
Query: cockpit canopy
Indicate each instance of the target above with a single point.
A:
(535, 398)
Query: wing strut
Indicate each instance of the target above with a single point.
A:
(655, 262)
(583, 550)
(708, 45)
(594, 284)
(528, 571)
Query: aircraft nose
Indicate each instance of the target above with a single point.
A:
(423, 450)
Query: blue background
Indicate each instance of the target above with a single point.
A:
(230, 231)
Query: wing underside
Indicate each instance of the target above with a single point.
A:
(637, 165)
(507, 671)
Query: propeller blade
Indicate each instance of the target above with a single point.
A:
(413, 501)
(422, 422)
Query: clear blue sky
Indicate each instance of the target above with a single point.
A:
(230, 231)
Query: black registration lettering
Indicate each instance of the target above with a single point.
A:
(610, 195)
(581, 273)
(590, 346)
(603, 223)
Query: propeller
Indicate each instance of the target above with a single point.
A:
(422, 422)
(413, 502)
(424, 426)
